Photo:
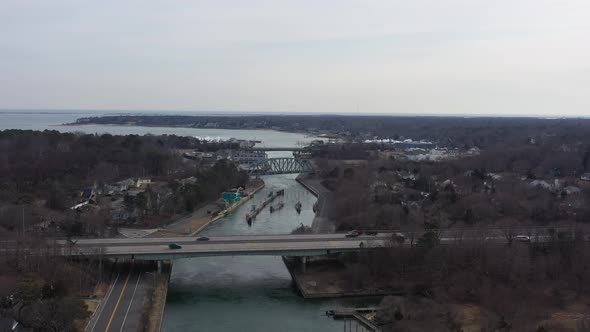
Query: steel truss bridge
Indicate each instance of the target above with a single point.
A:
(271, 166)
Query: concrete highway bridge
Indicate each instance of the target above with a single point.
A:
(269, 245)
(302, 245)
(119, 312)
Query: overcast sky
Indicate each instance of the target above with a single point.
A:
(528, 57)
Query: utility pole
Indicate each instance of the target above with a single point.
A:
(100, 265)
(23, 221)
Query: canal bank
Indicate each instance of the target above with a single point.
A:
(154, 315)
(224, 213)
(207, 214)
(157, 304)
(320, 223)
(329, 276)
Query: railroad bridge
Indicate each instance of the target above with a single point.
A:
(272, 166)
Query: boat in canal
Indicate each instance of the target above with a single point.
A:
(277, 207)
(298, 207)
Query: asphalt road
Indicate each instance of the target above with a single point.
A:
(214, 247)
(122, 307)
(279, 244)
(111, 242)
(272, 244)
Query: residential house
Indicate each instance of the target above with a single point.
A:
(143, 183)
(189, 180)
(120, 213)
(571, 190)
(555, 187)
(474, 151)
(118, 187)
(87, 194)
(541, 184)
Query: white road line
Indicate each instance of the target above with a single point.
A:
(130, 302)
(104, 301)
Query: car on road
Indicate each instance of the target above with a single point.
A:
(398, 237)
(373, 233)
(174, 246)
(353, 233)
(203, 238)
(522, 238)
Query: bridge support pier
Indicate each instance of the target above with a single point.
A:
(159, 267)
(304, 264)
(100, 267)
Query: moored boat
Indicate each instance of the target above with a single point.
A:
(277, 207)
(298, 207)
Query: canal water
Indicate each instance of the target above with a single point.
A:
(247, 293)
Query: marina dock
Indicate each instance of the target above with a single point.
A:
(257, 209)
(357, 314)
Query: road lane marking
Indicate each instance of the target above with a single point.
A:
(118, 301)
(130, 302)
(106, 299)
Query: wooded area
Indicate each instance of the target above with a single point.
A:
(523, 177)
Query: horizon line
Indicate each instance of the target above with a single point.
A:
(275, 113)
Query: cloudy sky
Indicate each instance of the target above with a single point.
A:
(528, 57)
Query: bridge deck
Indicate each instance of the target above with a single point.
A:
(276, 149)
(276, 245)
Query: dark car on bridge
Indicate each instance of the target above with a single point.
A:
(174, 246)
(354, 233)
(203, 238)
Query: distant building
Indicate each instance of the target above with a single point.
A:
(409, 144)
(43, 226)
(555, 187)
(231, 197)
(571, 190)
(87, 194)
(143, 182)
(474, 151)
(118, 187)
(190, 155)
(317, 142)
(405, 175)
(541, 184)
(120, 213)
(248, 157)
(494, 176)
(189, 180)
